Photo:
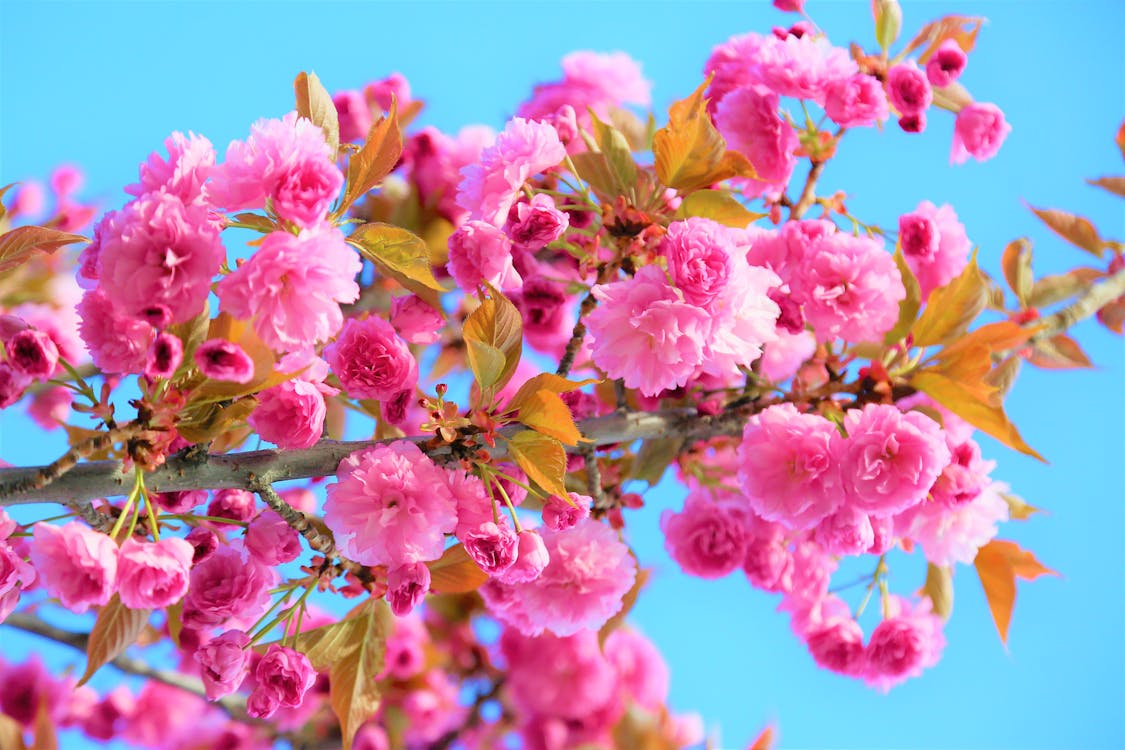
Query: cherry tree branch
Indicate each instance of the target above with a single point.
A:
(808, 195)
(1095, 298)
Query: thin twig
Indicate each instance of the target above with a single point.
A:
(808, 195)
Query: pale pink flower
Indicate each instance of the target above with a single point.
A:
(219, 359)
(768, 563)
(473, 504)
(749, 121)
(390, 505)
(164, 355)
(732, 65)
(946, 64)
(744, 318)
(285, 675)
(407, 586)
(292, 287)
(534, 224)
(640, 668)
(785, 251)
(415, 320)
(644, 332)
(856, 101)
(271, 540)
(979, 132)
(523, 150)
(479, 252)
(954, 535)
(224, 662)
(700, 255)
(60, 320)
(77, 564)
(371, 360)
(190, 161)
(158, 251)
(152, 575)
(15, 574)
(850, 288)
(227, 584)
(802, 67)
(934, 244)
(707, 539)
(789, 466)
(117, 343)
(904, 644)
(291, 414)
(907, 88)
(591, 80)
(782, 358)
(407, 645)
(890, 459)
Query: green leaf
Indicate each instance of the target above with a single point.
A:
(717, 205)
(20, 244)
(612, 142)
(497, 323)
(315, 103)
(115, 629)
(888, 22)
(486, 361)
(939, 589)
(908, 308)
(1055, 288)
(376, 160)
(353, 691)
(542, 458)
(398, 253)
(951, 308)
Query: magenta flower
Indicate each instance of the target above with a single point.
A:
(534, 224)
(227, 584)
(163, 357)
(219, 359)
(117, 343)
(493, 547)
(979, 132)
(934, 244)
(33, 353)
(190, 161)
(707, 539)
(290, 414)
(908, 89)
(856, 101)
(285, 675)
(480, 252)
(371, 360)
(946, 64)
(407, 586)
(904, 644)
(271, 540)
(415, 320)
(531, 558)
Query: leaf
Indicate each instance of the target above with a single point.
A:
(21, 243)
(486, 361)
(353, 692)
(223, 326)
(397, 253)
(951, 308)
(974, 406)
(46, 737)
(202, 422)
(717, 205)
(939, 589)
(254, 221)
(174, 616)
(998, 563)
(1016, 264)
(542, 458)
(1018, 509)
(3, 214)
(1059, 352)
(764, 740)
(1003, 375)
(377, 159)
(627, 603)
(1058, 287)
(545, 412)
(545, 381)
(496, 322)
(689, 152)
(908, 308)
(619, 157)
(115, 629)
(654, 457)
(962, 29)
(1120, 139)
(315, 103)
(11, 733)
(594, 168)
(1115, 185)
(1077, 230)
(455, 572)
(971, 354)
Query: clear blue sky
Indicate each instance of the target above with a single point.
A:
(103, 84)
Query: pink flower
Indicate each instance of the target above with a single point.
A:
(954, 535)
(699, 253)
(436, 160)
(559, 515)
(190, 161)
(856, 101)
(407, 586)
(227, 584)
(837, 645)
(286, 161)
(890, 459)
(224, 662)
(848, 531)
(548, 313)
(382, 92)
(285, 675)
(203, 542)
(78, 565)
(219, 359)
(292, 287)
(904, 644)
(33, 353)
(493, 547)
(271, 540)
(534, 224)
(164, 355)
(744, 318)
(590, 81)
(789, 466)
(979, 132)
(159, 251)
(415, 320)
(371, 361)
(640, 667)
(480, 252)
(768, 563)
(151, 575)
(802, 67)
(354, 115)
(50, 407)
(708, 539)
(582, 587)
(12, 384)
(406, 647)
(290, 414)
(644, 332)
(117, 343)
(782, 358)
(749, 121)
(908, 89)
(934, 244)
(850, 288)
(523, 150)
(915, 123)
(946, 64)
(732, 65)
(237, 505)
(532, 557)
(390, 505)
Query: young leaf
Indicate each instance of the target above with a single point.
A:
(1060, 352)
(888, 22)
(1058, 287)
(1018, 508)
(545, 381)
(764, 740)
(951, 308)
(376, 160)
(545, 412)
(1077, 230)
(1115, 185)
(939, 589)
(654, 457)
(998, 563)
(455, 572)
(1016, 264)
(497, 323)
(962, 29)
(18, 245)
(315, 103)
(908, 308)
(611, 142)
(717, 205)
(11, 733)
(353, 691)
(397, 253)
(115, 629)
(486, 361)
(542, 458)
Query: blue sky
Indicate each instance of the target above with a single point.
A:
(102, 85)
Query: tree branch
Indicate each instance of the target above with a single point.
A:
(1095, 298)
(808, 195)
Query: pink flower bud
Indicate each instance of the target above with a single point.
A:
(493, 547)
(179, 502)
(284, 674)
(908, 89)
(203, 542)
(915, 123)
(12, 384)
(224, 663)
(164, 355)
(531, 559)
(354, 115)
(33, 353)
(407, 586)
(946, 64)
(220, 359)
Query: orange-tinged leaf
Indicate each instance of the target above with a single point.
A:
(908, 308)
(939, 589)
(764, 740)
(115, 629)
(654, 458)
(1120, 139)
(315, 103)
(717, 205)
(998, 564)
(223, 326)
(962, 29)
(1003, 375)
(542, 458)
(1058, 287)
(627, 603)
(975, 405)
(11, 733)
(4, 211)
(1018, 508)
(951, 308)
(486, 361)
(545, 412)
(376, 160)
(992, 337)
(397, 253)
(46, 738)
(1115, 185)
(455, 572)
(174, 617)
(353, 691)
(496, 322)
(1059, 352)
(1016, 264)
(546, 381)
(1077, 230)
(21, 243)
